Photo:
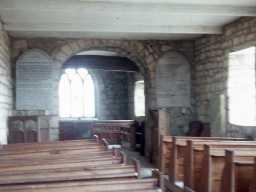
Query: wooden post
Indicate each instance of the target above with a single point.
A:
(254, 178)
(229, 172)
(189, 165)
(173, 162)
(161, 156)
(207, 170)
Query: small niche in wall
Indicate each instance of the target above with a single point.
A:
(34, 81)
(173, 81)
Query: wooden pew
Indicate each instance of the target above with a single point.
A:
(52, 153)
(121, 185)
(239, 172)
(84, 166)
(167, 144)
(195, 155)
(99, 154)
(55, 144)
(84, 173)
(60, 171)
(178, 155)
(34, 152)
(211, 168)
(178, 152)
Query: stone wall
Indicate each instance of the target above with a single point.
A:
(210, 75)
(145, 54)
(34, 90)
(5, 85)
(111, 95)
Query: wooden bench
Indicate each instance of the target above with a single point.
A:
(23, 146)
(181, 169)
(64, 156)
(199, 162)
(167, 144)
(74, 166)
(69, 174)
(178, 151)
(239, 172)
(118, 185)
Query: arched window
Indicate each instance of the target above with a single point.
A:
(139, 99)
(76, 94)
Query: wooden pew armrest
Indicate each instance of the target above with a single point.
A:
(124, 159)
(97, 138)
(137, 165)
(109, 146)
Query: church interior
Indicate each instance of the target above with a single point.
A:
(128, 95)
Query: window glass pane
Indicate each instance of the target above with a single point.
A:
(89, 104)
(70, 73)
(241, 87)
(77, 96)
(139, 99)
(65, 96)
(82, 72)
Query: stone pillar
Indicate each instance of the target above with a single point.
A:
(217, 115)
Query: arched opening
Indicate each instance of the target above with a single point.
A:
(100, 85)
(133, 52)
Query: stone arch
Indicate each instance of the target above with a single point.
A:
(140, 53)
(135, 51)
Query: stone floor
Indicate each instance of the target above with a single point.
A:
(146, 166)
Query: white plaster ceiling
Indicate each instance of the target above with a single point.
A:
(121, 19)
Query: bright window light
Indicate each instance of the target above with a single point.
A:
(139, 99)
(76, 94)
(241, 87)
